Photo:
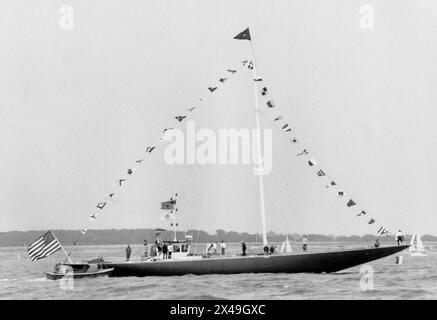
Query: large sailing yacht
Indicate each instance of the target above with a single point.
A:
(183, 262)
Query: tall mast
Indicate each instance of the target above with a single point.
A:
(258, 138)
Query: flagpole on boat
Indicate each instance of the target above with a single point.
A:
(174, 222)
(68, 256)
(75, 243)
(258, 138)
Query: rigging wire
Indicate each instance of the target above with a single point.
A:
(208, 189)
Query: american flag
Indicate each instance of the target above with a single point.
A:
(44, 246)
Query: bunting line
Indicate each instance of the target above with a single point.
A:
(151, 148)
(279, 121)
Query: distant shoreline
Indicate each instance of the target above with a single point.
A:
(228, 243)
(137, 236)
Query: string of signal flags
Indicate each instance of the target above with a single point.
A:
(276, 118)
(149, 149)
(304, 152)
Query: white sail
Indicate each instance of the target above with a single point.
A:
(416, 246)
(282, 247)
(419, 245)
(411, 248)
(288, 246)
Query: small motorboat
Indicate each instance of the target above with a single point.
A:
(78, 270)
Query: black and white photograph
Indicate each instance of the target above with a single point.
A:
(239, 151)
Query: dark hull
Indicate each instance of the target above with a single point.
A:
(292, 263)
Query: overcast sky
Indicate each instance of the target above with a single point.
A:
(78, 107)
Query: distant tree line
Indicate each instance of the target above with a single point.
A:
(137, 236)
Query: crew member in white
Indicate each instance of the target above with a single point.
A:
(223, 248)
(399, 237)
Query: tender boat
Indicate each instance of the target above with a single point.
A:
(78, 270)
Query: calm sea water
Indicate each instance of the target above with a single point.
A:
(416, 278)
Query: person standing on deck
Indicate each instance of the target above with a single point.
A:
(146, 248)
(170, 250)
(128, 252)
(399, 237)
(215, 247)
(153, 251)
(223, 248)
(210, 249)
(164, 251)
(159, 248)
(243, 248)
(304, 243)
(266, 249)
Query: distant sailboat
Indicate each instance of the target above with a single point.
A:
(286, 247)
(417, 249)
